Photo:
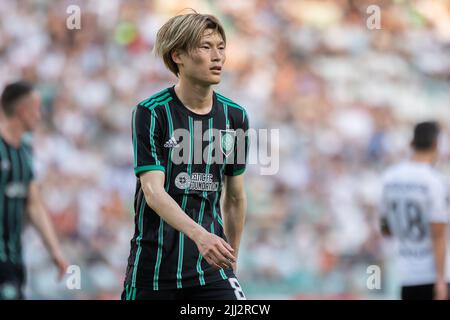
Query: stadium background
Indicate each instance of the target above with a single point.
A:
(344, 98)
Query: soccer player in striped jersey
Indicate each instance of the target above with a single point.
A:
(19, 195)
(415, 210)
(190, 149)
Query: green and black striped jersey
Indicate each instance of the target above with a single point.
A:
(15, 176)
(195, 152)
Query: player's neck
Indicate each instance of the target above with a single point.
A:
(11, 131)
(423, 157)
(195, 97)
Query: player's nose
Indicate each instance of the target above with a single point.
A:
(216, 55)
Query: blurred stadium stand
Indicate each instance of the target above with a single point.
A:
(344, 98)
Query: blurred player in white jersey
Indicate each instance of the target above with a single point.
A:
(415, 210)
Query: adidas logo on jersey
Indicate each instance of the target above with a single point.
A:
(171, 143)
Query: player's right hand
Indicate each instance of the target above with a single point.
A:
(216, 251)
(441, 290)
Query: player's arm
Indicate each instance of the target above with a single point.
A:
(234, 209)
(438, 232)
(439, 240)
(40, 219)
(383, 210)
(216, 251)
(234, 200)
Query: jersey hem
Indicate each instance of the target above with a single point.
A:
(187, 284)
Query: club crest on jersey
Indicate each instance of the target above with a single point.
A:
(227, 138)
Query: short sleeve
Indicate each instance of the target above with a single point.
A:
(147, 135)
(27, 152)
(241, 148)
(439, 201)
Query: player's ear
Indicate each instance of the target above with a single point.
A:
(21, 109)
(176, 56)
(435, 145)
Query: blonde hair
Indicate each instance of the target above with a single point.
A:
(184, 32)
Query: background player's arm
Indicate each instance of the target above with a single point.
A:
(214, 249)
(439, 239)
(384, 227)
(234, 207)
(383, 209)
(438, 231)
(40, 219)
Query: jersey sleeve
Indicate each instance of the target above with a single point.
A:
(28, 154)
(439, 212)
(147, 135)
(241, 148)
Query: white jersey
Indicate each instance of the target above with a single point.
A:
(415, 195)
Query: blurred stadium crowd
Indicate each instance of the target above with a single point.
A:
(344, 98)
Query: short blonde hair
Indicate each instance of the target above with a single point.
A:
(184, 32)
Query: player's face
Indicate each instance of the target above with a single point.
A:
(29, 111)
(204, 63)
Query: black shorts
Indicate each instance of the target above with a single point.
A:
(419, 292)
(12, 278)
(229, 289)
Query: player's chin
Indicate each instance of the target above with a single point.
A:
(214, 80)
(211, 80)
